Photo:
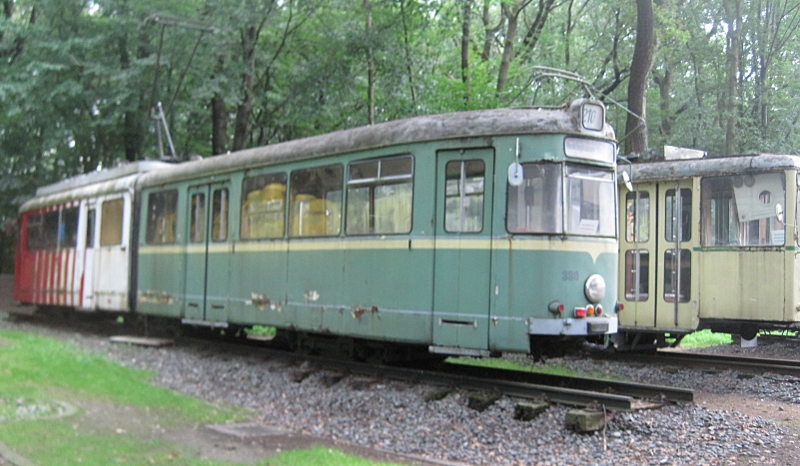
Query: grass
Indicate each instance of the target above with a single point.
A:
(262, 331)
(497, 363)
(38, 368)
(705, 338)
(318, 457)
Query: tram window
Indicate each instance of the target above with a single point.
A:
(535, 205)
(50, 230)
(464, 184)
(111, 222)
(263, 206)
(68, 227)
(637, 275)
(90, 225)
(591, 202)
(35, 238)
(671, 219)
(219, 215)
(379, 194)
(739, 210)
(162, 208)
(316, 197)
(672, 283)
(637, 217)
(197, 218)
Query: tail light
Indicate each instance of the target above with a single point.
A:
(555, 307)
(580, 312)
(598, 310)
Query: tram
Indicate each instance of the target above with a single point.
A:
(469, 233)
(708, 243)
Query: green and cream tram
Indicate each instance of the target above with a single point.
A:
(467, 233)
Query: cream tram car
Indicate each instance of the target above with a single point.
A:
(708, 243)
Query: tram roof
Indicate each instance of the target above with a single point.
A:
(448, 126)
(679, 169)
(100, 176)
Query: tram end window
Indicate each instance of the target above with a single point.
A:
(591, 202)
(740, 210)
(535, 206)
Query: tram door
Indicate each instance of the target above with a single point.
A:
(462, 256)
(208, 253)
(677, 234)
(659, 233)
(637, 248)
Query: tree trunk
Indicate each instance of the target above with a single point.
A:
(508, 46)
(219, 115)
(733, 13)
(242, 124)
(406, 45)
(370, 67)
(636, 128)
(467, 13)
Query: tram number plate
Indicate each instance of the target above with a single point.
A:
(570, 275)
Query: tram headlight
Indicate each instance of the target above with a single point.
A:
(595, 288)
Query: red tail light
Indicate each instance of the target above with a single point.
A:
(580, 312)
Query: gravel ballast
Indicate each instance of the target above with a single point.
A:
(394, 416)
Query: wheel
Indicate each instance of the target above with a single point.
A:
(748, 331)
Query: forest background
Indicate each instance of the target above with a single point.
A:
(80, 79)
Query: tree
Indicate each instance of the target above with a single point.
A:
(636, 126)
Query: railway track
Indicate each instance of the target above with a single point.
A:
(575, 391)
(740, 363)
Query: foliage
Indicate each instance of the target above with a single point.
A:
(80, 78)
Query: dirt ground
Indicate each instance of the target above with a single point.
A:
(787, 414)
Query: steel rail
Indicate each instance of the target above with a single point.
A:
(562, 395)
(633, 389)
(757, 365)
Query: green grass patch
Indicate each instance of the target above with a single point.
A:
(552, 369)
(119, 413)
(32, 365)
(319, 456)
(705, 338)
(262, 331)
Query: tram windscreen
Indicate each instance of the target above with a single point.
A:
(591, 204)
(537, 204)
